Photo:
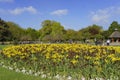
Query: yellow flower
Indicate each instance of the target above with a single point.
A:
(74, 61)
(77, 56)
(106, 61)
(96, 62)
(115, 59)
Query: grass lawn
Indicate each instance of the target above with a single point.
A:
(3, 46)
(6, 74)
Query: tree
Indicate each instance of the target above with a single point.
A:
(91, 32)
(52, 30)
(46, 28)
(95, 31)
(16, 31)
(85, 33)
(71, 35)
(26, 38)
(114, 25)
(32, 33)
(105, 34)
(57, 31)
(4, 32)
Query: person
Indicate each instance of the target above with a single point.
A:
(108, 42)
(95, 41)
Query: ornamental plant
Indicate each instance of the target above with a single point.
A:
(75, 60)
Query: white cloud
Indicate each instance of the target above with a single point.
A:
(103, 16)
(29, 9)
(6, 0)
(60, 12)
(100, 17)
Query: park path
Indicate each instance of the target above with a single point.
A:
(115, 44)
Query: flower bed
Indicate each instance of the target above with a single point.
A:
(72, 61)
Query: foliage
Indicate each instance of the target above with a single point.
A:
(52, 31)
(19, 33)
(32, 33)
(114, 25)
(16, 31)
(106, 34)
(4, 32)
(71, 34)
(92, 32)
(46, 28)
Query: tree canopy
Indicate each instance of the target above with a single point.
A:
(4, 32)
(53, 31)
(114, 25)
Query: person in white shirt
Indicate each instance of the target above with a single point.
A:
(108, 42)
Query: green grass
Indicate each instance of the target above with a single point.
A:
(3, 46)
(6, 74)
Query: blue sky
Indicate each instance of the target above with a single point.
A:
(72, 14)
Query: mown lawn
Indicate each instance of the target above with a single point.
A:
(6, 74)
(3, 46)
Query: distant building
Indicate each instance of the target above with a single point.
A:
(115, 36)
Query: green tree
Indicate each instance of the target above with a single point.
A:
(85, 33)
(46, 28)
(79, 35)
(32, 33)
(16, 31)
(71, 34)
(52, 31)
(95, 31)
(4, 32)
(57, 31)
(114, 25)
(91, 32)
(105, 34)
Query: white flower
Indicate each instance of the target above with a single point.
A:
(17, 70)
(23, 71)
(10, 68)
(1, 63)
(83, 78)
(43, 76)
(36, 74)
(69, 78)
(57, 76)
(4, 66)
(30, 72)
